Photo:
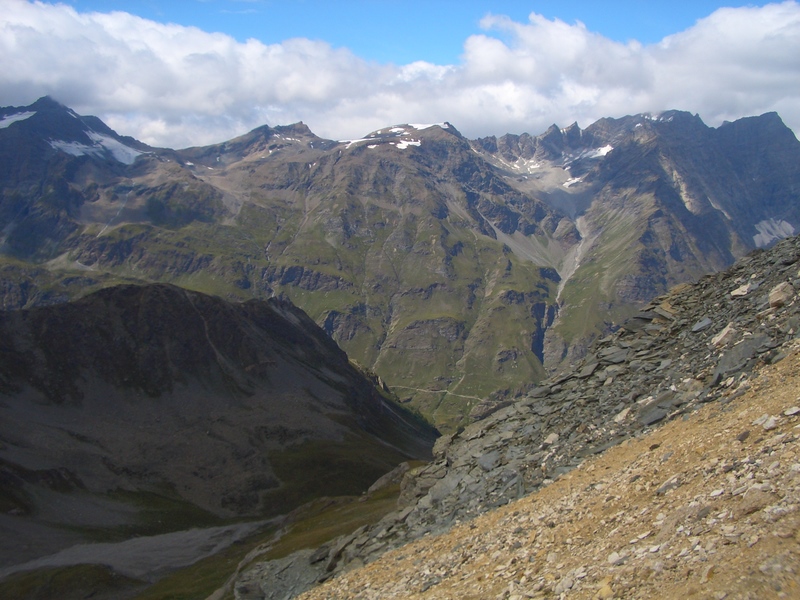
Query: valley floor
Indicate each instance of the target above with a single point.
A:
(147, 557)
(705, 507)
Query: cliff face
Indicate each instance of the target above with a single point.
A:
(219, 409)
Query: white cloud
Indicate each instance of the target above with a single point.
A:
(179, 86)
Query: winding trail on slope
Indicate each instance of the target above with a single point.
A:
(405, 387)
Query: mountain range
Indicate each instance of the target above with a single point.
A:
(202, 336)
(456, 270)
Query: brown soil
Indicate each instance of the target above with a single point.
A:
(705, 507)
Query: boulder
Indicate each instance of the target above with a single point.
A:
(781, 294)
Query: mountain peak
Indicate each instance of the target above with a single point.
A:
(769, 121)
(50, 125)
(47, 103)
(412, 129)
(298, 128)
(405, 135)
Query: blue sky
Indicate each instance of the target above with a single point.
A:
(194, 72)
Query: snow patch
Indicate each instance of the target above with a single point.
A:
(586, 155)
(73, 148)
(521, 163)
(402, 145)
(397, 130)
(572, 181)
(658, 117)
(124, 154)
(353, 142)
(372, 146)
(102, 144)
(8, 120)
(600, 152)
(771, 230)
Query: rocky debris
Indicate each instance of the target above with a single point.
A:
(393, 477)
(663, 364)
(281, 578)
(485, 408)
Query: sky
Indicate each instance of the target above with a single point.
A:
(193, 72)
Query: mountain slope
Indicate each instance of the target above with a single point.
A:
(138, 403)
(688, 360)
(703, 507)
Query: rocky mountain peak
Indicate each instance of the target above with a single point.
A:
(768, 128)
(258, 144)
(299, 128)
(406, 136)
(51, 126)
(47, 103)
(572, 134)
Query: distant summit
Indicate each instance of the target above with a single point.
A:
(46, 120)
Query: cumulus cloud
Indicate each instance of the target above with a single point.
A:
(178, 86)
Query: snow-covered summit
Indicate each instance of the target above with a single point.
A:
(399, 136)
(48, 122)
